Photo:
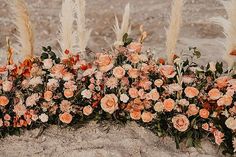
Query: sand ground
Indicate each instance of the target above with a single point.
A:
(132, 140)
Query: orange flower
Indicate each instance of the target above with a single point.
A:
(225, 100)
(147, 117)
(119, 72)
(135, 47)
(169, 104)
(109, 103)
(134, 58)
(192, 110)
(222, 82)
(87, 110)
(133, 92)
(168, 71)
(66, 118)
(133, 73)
(214, 94)
(204, 113)
(191, 92)
(68, 93)
(180, 122)
(136, 115)
(3, 100)
(48, 95)
(105, 62)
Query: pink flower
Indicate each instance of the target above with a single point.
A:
(154, 95)
(47, 63)
(65, 106)
(219, 137)
(86, 94)
(169, 104)
(222, 82)
(168, 71)
(119, 72)
(112, 82)
(133, 73)
(145, 83)
(187, 79)
(109, 103)
(231, 123)
(133, 92)
(226, 100)
(214, 94)
(7, 86)
(68, 76)
(70, 85)
(1, 122)
(135, 47)
(192, 110)
(43, 117)
(31, 100)
(19, 109)
(180, 122)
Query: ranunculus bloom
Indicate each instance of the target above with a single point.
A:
(192, 110)
(109, 103)
(226, 100)
(68, 93)
(133, 92)
(86, 94)
(169, 104)
(48, 95)
(158, 83)
(180, 122)
(19, 109)
(147, 117)
(231, 123)
(136, 115)
(204, 113)
(222, 82)
(43, 117)
(87, 110)
(119, 72)
(219, 137)
(191, 92)
(3, 100)
(7, 86)
(66, 118)
(168, 71)
(7, 117)
(105, 62)
(214, 94)
(135, 47)
(133, 73)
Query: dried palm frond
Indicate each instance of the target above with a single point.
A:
(229, 26)
(125, 26)
(25, 35)
(172, 33)
(66, 39)
(83, 33)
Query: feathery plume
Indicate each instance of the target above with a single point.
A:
(229, 26)
(172, 33)
(25, 35)
(125, 26)
(66, 39)
(83, 33)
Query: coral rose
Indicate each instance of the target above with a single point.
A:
(192, 110)
(87, 110)
(133, 92)
(154, 95)
(226, 100)
(66, 118)
(48, 95)
(169, 104)
(180, 122)
(159, 107)
(109, 103)
(191, 92)
(133, 73)
(135, 47)
(68, 93)
(222, 82)
(134, 58)
(105, 62)
(147, 117)
(168, 71)
(3, 100)
(204, 113)
(119, 72)
(214, 94)
(136, 115)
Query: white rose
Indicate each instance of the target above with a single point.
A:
(43, 117)
(47, 63)
(124, 98)
(86, 94)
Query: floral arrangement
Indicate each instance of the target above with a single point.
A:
(172, 97)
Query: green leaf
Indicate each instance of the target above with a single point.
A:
(125, 36)
(53, 55)
(44, 49)
(219, 67)
(44, 56)
(128, 41)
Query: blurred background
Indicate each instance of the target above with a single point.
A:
(197, 30)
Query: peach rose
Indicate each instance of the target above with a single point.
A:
(204, 113)
(192, 110)
(134, 58)
(154, 95)
(159, 107)
(180, 122)
(226, 100)
(222, 82)
(231, 123)
(119, 72)
(109, 103)
(133, 92)
(7, 117)
(168, 71)
(135, 47)
(133, 73)
(58, 70)
(105, 62)
(7, 86)
(136, 115)
(169, 104)
(19, 109)
(48, 95)
(3, 100)
(68, 93)
(87, 110)
(214, 94)
(66, 118)
(147, 117)
(191, 92)
(158, 83)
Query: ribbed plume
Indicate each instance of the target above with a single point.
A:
(83, 34)
(125, 26)
(25, 35)
(172, 33)
(66, 39)
(229, 26)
